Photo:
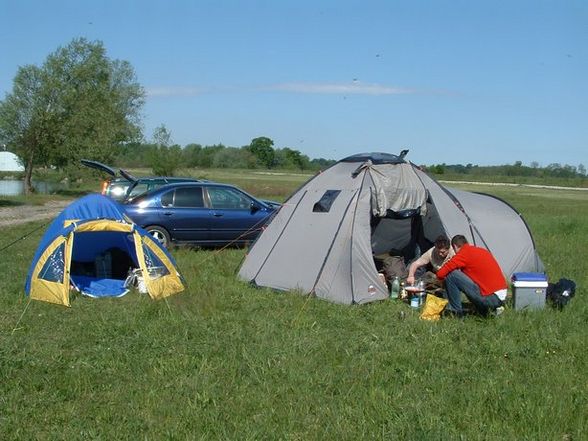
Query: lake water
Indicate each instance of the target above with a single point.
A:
(12, 187)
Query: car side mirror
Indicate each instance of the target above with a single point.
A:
(255, 206)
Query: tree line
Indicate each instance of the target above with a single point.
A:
(534, 170)
(165, 158)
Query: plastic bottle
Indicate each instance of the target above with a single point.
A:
(395, 288)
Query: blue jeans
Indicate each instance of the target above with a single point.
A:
(457, 282)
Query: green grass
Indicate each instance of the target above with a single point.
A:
(34, 199)
(226, 361)
(578, 181)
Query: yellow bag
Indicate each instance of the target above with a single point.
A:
(433, 307)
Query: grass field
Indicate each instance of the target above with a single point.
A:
(226, 361)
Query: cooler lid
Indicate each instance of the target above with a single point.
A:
(529, 277)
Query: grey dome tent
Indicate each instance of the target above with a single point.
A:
(323, 238)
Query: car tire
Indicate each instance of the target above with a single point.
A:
(160, 234)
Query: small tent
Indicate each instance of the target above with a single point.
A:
(92, 246)
(324, 238)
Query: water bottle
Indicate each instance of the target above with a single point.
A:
(395, 288)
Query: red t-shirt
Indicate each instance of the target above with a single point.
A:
(479, 265)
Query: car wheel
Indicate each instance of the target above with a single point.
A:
(160, 234)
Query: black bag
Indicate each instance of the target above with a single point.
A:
(560, 293)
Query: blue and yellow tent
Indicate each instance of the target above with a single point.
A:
(92, 246)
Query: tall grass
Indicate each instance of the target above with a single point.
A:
(226, 361)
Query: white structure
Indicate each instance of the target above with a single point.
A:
(9, 162)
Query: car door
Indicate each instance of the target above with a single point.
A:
(184, 214)
(235, 215)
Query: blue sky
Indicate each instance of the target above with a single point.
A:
(481, 82)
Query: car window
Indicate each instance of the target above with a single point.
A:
(139, 188)
(167, 199)
(190, 197)
(118, 190)
(223, 197)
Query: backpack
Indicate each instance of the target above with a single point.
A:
(559, 294)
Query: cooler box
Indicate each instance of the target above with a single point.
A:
(529, 290)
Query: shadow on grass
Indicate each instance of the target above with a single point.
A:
(10, 203)
(72, 193)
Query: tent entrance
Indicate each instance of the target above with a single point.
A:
(101, 262)
(406, 236)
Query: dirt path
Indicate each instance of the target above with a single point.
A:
(28, 213)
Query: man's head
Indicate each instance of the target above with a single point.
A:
(442, 246)
(458, 241)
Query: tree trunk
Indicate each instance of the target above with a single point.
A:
(28, 177)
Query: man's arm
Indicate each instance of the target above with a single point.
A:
(454, 263)
(425, 259)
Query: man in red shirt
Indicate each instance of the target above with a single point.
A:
(475, 272)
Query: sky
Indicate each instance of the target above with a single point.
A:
(456, 82)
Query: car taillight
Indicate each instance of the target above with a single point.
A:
(104, 186)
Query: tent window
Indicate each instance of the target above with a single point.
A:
(54, 267)
(155, 266)
(325, 202)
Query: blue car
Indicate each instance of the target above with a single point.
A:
(201, 213)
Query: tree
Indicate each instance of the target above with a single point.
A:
(79, 103)
(232, 157)
(207, 154)
(23, 119)
(162, 136)
(165, 158)
(191, 154)
(262, 148)
(291, 159)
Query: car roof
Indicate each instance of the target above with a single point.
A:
(171, 179)
(204, 183)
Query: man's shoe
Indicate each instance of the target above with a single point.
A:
(498, 311)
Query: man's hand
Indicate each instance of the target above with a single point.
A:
(410, 280)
